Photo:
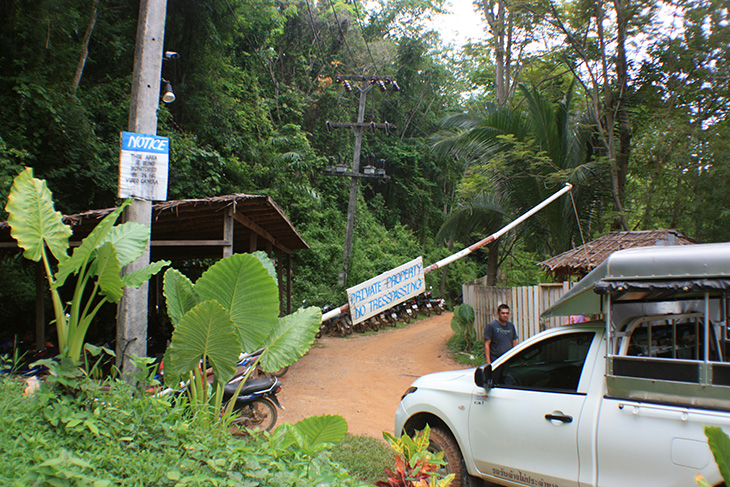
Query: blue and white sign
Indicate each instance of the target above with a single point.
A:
(143, 166)
(386, 290)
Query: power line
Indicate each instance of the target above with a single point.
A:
(339, 26)
(364, 38)
(317, 41)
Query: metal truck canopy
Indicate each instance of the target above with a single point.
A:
(649, 273)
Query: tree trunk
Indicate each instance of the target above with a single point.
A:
(497, 25)
(85, 47)
(609, 123)
(622, 83)
(492, 263)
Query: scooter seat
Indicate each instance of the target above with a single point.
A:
(251, 386)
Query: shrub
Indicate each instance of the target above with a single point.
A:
(117, 435)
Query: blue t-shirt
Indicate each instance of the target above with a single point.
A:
(501, 337)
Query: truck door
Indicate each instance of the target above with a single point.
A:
(525, 429)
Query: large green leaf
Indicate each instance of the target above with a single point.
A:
(107, 270)
(266, 262)
(84, 252)
(179, 295)
(242, 285)
(140, 276)
(33, 220)
(321, 430)
(206, 330)
(720, 445)
(291, 339)
(129, 240)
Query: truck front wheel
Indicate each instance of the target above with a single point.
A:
(441, 440)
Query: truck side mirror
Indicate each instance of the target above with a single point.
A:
(483, 376)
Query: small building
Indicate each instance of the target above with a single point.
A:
(193, 230)
(579, 261)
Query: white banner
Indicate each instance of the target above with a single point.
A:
(143, 166)
(386, 290)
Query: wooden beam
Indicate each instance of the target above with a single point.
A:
(288, 283)
(248, 223)
(280, 277)
(253, 242)
(228, 233)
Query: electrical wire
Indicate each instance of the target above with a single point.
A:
(361, 21)
(339, 26)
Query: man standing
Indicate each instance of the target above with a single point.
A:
(500, 335)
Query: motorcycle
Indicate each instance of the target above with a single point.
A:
(255, 406)
(404, 311)
(340, 324)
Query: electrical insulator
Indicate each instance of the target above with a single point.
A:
(381, 85)
(373, 80)
(387, 128)
(338, 79)
(395, 86)
(388, 80)
(329, 126)
(346, 85)
(372, 126)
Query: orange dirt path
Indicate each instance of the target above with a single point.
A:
(362, 377)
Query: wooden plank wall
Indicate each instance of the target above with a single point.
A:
(525, 302)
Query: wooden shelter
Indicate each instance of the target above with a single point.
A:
(581, 260)
(207, 228)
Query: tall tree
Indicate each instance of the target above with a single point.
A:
(522, 156)
(597, 38)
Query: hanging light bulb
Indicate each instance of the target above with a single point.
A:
(169, 95)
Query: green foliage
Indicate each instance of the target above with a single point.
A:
(117, 435)
(414, 463)
(720, 445)
(364, 457)
(35, 224)
(463, 325)
(233, 307)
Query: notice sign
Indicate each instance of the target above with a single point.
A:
(385, 291)
(143, 166)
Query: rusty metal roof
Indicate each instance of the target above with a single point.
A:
(194, 228)
(581, 260)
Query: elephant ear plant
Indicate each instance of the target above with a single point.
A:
(98, 260)
(233, 307)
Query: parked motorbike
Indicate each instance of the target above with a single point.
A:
(255, 406)
(340, 324)
(246, 360)
(404, 311)
(256, 403)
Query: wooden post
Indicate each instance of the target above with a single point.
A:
(228, 233)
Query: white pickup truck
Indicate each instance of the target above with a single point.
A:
(621, 401)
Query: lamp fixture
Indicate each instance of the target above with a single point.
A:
(169, 95)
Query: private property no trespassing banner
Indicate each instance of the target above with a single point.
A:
(386, 290)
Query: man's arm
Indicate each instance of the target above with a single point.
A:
(486, 350)
(514, 343)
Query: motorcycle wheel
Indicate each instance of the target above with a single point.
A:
(258, 415)
(281, 372)
(438, 309)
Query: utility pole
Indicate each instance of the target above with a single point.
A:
(364, 85)
(133, 308)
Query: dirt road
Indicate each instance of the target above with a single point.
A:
(362, 377)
